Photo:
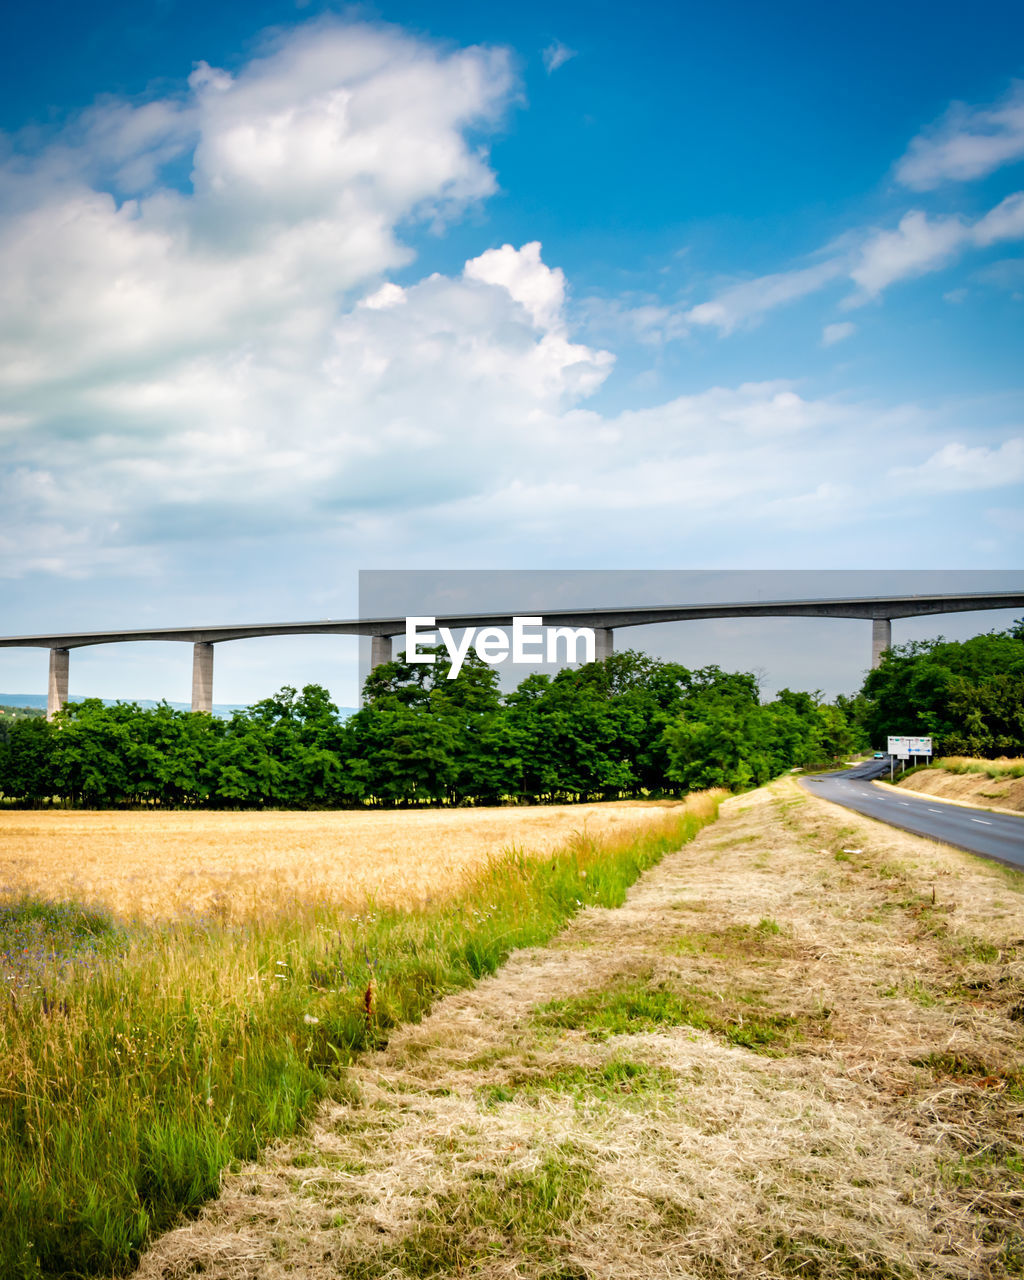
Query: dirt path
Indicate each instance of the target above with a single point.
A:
(795, 1051)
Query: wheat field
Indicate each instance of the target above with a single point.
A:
(163, 865)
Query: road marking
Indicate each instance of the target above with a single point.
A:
(934, 810)
(983, 821)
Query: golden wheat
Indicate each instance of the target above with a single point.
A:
(161, 865)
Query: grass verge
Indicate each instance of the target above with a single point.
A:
(995, 769)
(628, 1008)
(137, 1065)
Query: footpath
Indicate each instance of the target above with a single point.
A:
(795, 1051)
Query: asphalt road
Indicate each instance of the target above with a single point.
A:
(993, 835)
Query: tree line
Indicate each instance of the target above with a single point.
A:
(968, 695)
(629, 726)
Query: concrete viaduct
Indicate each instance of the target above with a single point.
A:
(880, 610)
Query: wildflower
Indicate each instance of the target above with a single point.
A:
(309, 1020)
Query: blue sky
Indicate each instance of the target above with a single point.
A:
(294, 291)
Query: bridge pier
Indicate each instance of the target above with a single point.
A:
(603, 643)
(381, 650)
(57, 689)
(881, 639)
(202, 676)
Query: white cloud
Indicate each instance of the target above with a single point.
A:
(1004, 222)
(646, 321)
(833, 333)
(521, 273)
(388, 295)
(229, 364)
(917, 246)
(967, 143)
(556, 55)
(921, 244)
(957, 466)
(303, 165)
(745, 303)
(410, 399)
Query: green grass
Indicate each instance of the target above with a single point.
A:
(629, 1008)
(136, 1065)
(499, 1217)
(618, 1080)
(912, 989)
(811, 1257)
(749, 941)
(964, 946)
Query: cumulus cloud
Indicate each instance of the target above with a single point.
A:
(412, 398)
(228, 357)
(966, 143)
(302, 166)
(539, 289)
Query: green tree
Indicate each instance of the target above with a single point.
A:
(26, 760)
(965, 694)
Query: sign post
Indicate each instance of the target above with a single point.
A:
(902, 747)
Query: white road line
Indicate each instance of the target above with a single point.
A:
(934, 810)
(983, 822)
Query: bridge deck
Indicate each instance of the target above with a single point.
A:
(869, 607)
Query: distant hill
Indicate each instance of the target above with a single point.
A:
(35, 704)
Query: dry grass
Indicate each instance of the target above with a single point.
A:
(235, 866)
(570, 1118)
(971, 785)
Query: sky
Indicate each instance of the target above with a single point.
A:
(292, 291)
